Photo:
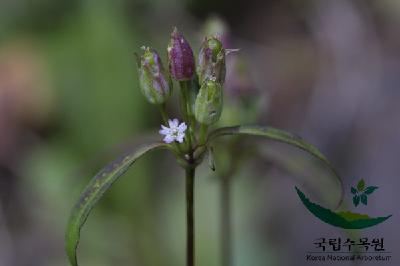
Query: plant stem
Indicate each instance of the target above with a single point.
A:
(190, 237)
(163, 112)
(186, 106)
(203, 133)
(226, 225)
(184, 100)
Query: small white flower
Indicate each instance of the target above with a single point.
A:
(175, 131)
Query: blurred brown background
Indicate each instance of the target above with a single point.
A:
(69, 102)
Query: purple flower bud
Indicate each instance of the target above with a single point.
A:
(154, 83)
(180, 55)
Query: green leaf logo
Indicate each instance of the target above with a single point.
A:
(364, 199)
(361, 193)
(356, 200)
(342, 219)
(369, 190)
(360, 185)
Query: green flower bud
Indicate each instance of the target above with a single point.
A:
(208, 105)
(211, 62)
(154, 83)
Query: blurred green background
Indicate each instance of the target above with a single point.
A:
(70, 102)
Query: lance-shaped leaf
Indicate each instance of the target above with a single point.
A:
(361, 185)
(281, 136)
(356, 200)
(369, 190)
(94, 191)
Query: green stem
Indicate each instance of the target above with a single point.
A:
(163, 112)
(186, 105)
(186, 110)
(203, 134)
(185, 87)
(190, 237)
(184, 99)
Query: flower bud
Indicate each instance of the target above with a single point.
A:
(208, 105)
(180, 55)
(211, 61)
(153, 80)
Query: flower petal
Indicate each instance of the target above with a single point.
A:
(180, 138)
(173, 123)
(164, 131)
(182, 127)
(168, 139)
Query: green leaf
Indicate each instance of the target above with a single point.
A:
(353, 190)
(361, 185)
(356, 200)
(364, 199)
(369, 190)
(94, 191)
(278, 135)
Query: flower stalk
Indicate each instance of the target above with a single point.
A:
(190, 226)
(203, 134)
(186, 107)
(163, 112)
